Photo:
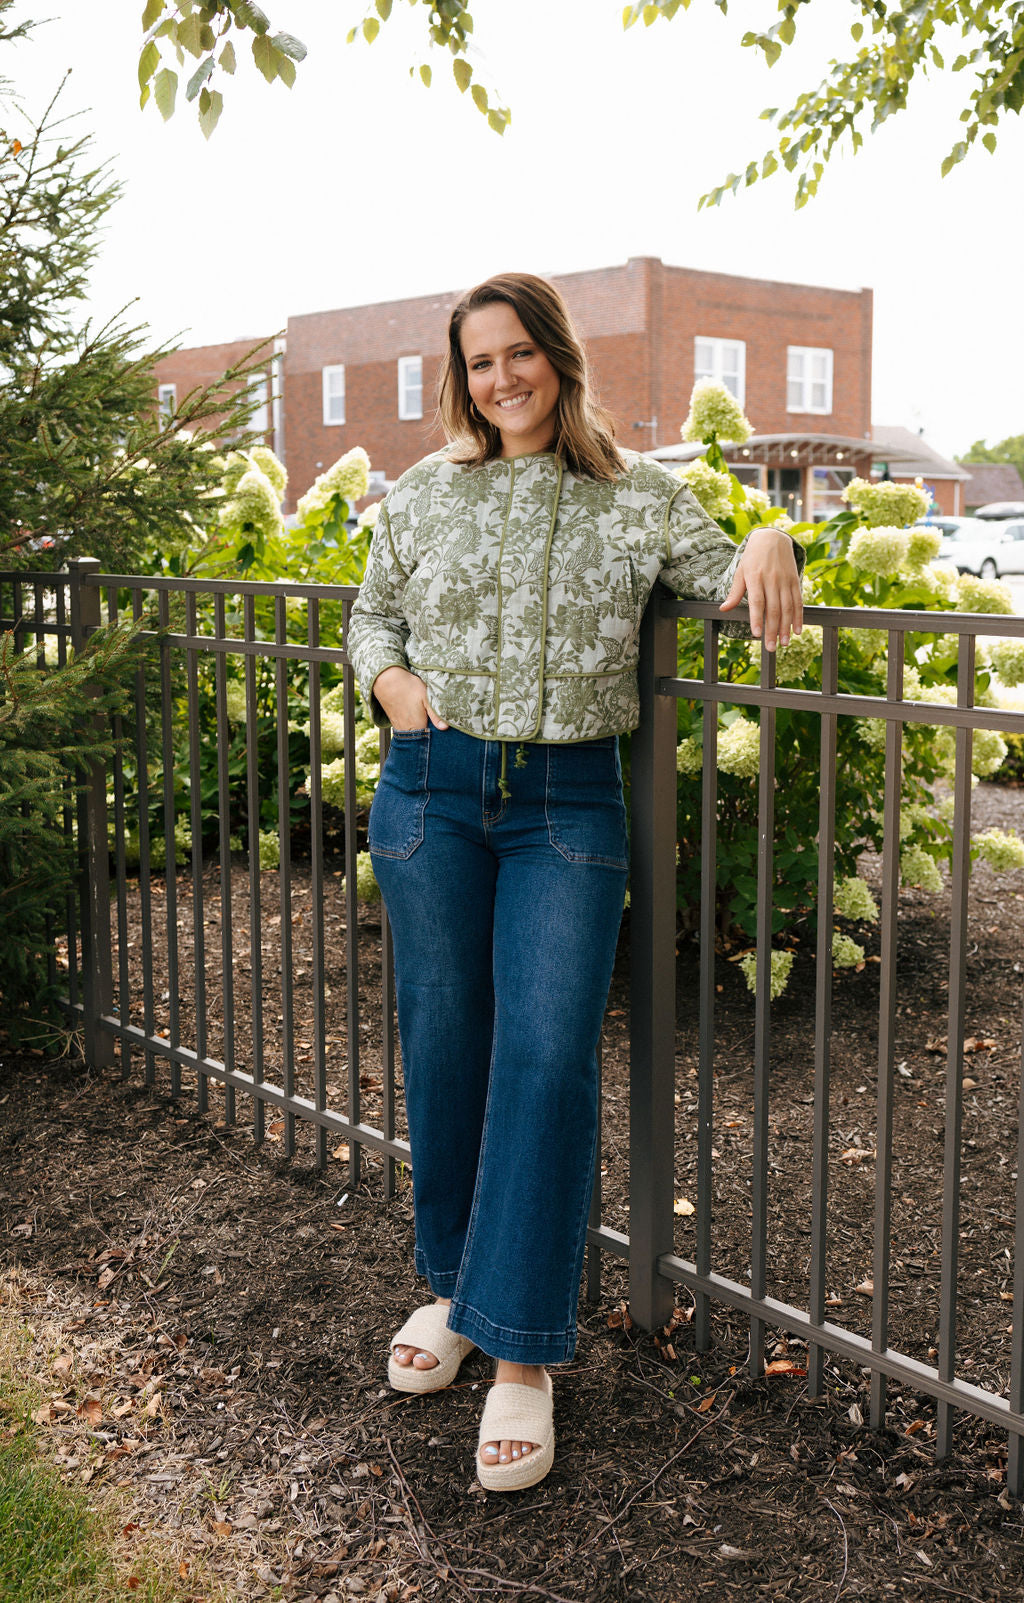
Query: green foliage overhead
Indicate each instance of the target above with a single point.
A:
(889, 46)
(87, 466)
(1010, 450)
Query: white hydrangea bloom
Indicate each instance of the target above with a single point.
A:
(368, 749)
(332, 782)
(348, 478)
(942, 582)
(917, 867)
(882, 550)
(871, 643)
(1002, 850)
(689, 757)
(923, 546)
(367, 518)
(254, 507)
(715, 410)
(1007, 660)
(983, 595)
(757, 502)
(739, 749)
(872, 732)
(332, 732)
(367, 888)
(792, 662)
(782, 963)
(712, 489)
(262, 457)
(911, 820)
(269, 848)
(989, 752)
(885, 503)
(845, 952)
(853, 899)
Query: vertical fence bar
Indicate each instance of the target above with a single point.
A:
(1015, 1448)
(351, 900)
(170, 844)
(887, 1024)
(67, 810)
(120, 874)
(145, 888)
(762, 1011)
(823, 1006)
(285, 871)
(316, 824)
(97, 965)
(960, 885)
(706, 1014)
(196, 820)
(220, 671)
(252, 772)
(652, 975)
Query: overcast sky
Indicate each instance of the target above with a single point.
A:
(360, 185)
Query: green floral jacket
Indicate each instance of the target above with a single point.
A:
(515, 590)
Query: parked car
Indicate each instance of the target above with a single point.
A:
(1001, 509)
(989, 547)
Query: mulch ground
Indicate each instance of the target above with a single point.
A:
(209, 1321)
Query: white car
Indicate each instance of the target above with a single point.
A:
(984, 546)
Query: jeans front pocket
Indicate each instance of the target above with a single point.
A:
(585, 812)
(397, 814)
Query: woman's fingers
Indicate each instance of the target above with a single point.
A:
(435, 717)
(767, 576)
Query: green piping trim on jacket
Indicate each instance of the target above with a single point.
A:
(501, 550)
(437, 667)
(668, 513)
(544, 601)
(595, 673)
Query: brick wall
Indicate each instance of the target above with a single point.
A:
(199, 365)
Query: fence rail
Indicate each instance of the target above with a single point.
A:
(192, 634)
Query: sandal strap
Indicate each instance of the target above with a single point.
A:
(514, 1412)
(427, 1330)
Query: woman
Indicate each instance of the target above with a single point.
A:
(500, 608)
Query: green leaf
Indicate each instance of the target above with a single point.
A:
(227, 57)
(857, 32)
(371, 28)
(165, 87)
(144, 97)
(350, 37)
(289, 46)
(286, 71)
(199, 77)
(384, 9)
(209, 118)
(249, 15)
(499, 119)
(426, 74)
(479, 94)
(153, 12)
(769, 165)
(989, 141)
(149, 60)
(463, 73)
(188, 35)
(265, 56)
(787, 30)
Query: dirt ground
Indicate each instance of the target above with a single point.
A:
(210, 1321)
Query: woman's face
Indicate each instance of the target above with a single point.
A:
(511, 381)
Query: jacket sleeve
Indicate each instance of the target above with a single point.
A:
(700, 559)
(377, 631)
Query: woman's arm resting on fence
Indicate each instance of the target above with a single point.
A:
(768, 576)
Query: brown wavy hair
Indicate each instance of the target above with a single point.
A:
(584, 432)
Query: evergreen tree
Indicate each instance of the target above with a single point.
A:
(87, 466)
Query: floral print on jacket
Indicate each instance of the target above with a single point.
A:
(515, 590)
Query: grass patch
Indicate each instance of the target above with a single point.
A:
(55, 1547)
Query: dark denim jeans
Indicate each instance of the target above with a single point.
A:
(505, 915)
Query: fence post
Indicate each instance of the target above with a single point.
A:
(94, 895)
(652, 974)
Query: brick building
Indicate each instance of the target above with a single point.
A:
(798, 357)
(199, 365)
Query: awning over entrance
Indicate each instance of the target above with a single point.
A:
(805, 473)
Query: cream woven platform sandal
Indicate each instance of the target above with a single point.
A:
(427, 1331)
(517, 1413)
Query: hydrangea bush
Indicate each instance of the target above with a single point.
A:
(864, 556)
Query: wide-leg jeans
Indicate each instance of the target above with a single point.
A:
(505, 912)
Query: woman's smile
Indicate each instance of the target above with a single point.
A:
(512, 382)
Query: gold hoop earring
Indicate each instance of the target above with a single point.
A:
(476, 412)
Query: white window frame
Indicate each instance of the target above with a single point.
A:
(733, 374)
(408, 408)
(802, 357)
(333, 394)
(166, 400)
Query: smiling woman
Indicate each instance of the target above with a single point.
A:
(501, 606)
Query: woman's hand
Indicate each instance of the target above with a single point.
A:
(767, 575)
(403, 695)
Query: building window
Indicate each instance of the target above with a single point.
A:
(725, 361)
(808, 379)
(166, 400)
(410, 386)
(334, 394)
(259, 396)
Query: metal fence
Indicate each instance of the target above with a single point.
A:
(131, 933)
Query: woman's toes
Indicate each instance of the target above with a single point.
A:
(424, 1361)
